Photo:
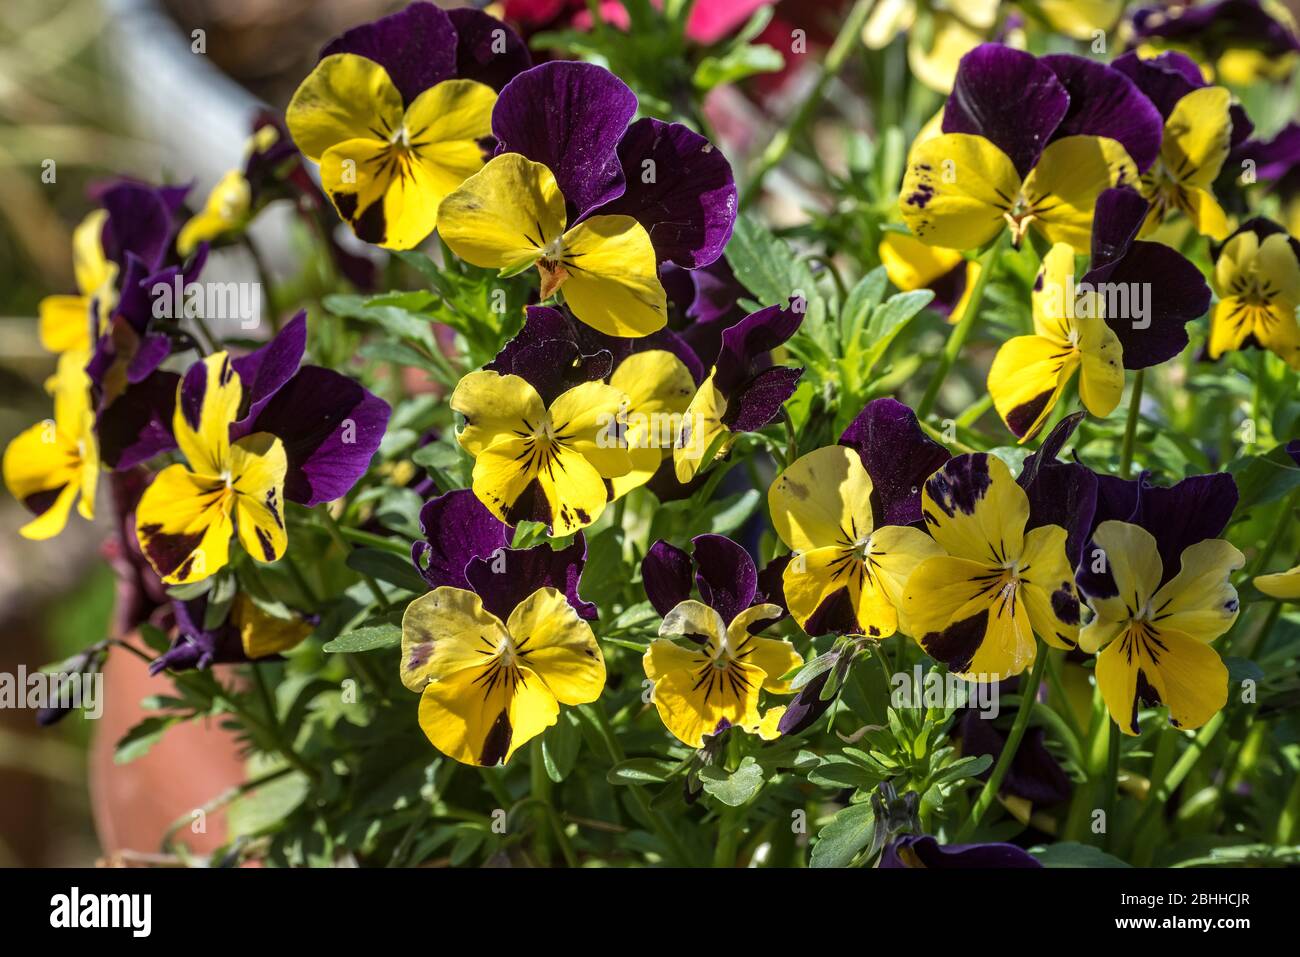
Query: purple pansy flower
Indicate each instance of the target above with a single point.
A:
(922, 850)
(1167, 78)
(465, 546)
(1217, 28)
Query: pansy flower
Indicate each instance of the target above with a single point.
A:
(396, 112)
(742, 392)
(657, 374)
(924, 851)
(55, 463)
(1257, 280)
(1157, 580)
(66, 321)
(593, 202)
(977, 608)
(1096, 325)
(189, 512)
(1246, 40)
(710, 663)
(543, 452)
(846, 513)
(1026, 142)
(247, 633)
(935, 46)
(1200, 127)
(1277, 162)
(501, 641)
(911, 264)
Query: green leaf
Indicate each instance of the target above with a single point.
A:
(396, 320)
(1074, 854)
(736, 787)
(841, 839)
(266, 806)
(387, 567)
(736, 64)
(1263, 478)
(366, 639)
(641, 771)
(560, 746)
(142, 736)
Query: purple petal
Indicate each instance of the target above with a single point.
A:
(807, 706)
(196, 647)
(750, 340)
(457, 527)
(771, 583)
(264, 371)
(689, 205)
(666, 575)
(570, 117)
(152, 351)
(716, 293)
(1218, 27)
(1105, 102)
(416, 45)
(724, 574)
(992, 77)
(1060, 493)
(548, 353)
(1117, 217)
(1273, 158)
(949, 288)
(523, 571)
(139, 223)
(1175, 293)
(834, 616)
(138, 424)
(477, 37)
(897, 455)
(330, 427)
(1033, 774)
(935, 856)
(759, 400)
(1164, 79)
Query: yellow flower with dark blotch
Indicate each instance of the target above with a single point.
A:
(821, 509)
(188, 513)
(225, 211)
(50, 464)
(536, 463)
(488, 686)
(385, 164)
(1197, 139)
(1030, 373)
(1154, 640)
(659, 388)
(511, 216)
(714, 683)
(977, 608)
(1257, 280)
(66, 322)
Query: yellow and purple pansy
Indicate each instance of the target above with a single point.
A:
(1081, 127)
(1244, 41)
(1097, 325)
(713, 681)
(69, 322)
(924, 851)
(743, 392)
(1157, 578)
(1003, 579)
(55, 463)
(594, 203)
(1201, 125)
(397, 113)
(846, 512)
(1257, 280)
(502, 640)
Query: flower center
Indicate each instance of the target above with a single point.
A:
(1018, 218)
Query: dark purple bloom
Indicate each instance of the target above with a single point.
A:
(466, 546)
(1178, 292)
(1034, 774)
(422, 45)
(197, 647)
(922, 850)
(898, 456)
(330, 425)
(754, 390)
(1216, 28)
(574, 119)
(141, 221)
(1276, 160)
(1178, 517)
(1060, 493)
(1055, 96)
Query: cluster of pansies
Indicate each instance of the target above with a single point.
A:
(670, 477)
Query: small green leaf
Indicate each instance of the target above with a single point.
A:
(366, 639)
(736, 787)
(846, 834)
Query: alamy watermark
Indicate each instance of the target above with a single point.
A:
(53, 690)
(208, 300)
(1098, 300)
(932, 689)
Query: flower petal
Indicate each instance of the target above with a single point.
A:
(898, 456)
(183, 525)
(975, 510)
(1166, 668)
(822, 499)
(956, 190)
(503, 215)
(444, 632)
(345, 97)
(416, 47)
(552, 640)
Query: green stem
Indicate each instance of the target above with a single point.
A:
(1111, 794)
(540, 790)
(957, 338)
(332, 527)
(1130, 427)
(1158, 796)
(1028, 692)
(848, 40)
(791, 446)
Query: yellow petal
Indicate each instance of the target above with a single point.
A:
(822, 499)
(558, 646)
(911, 264)
(183, 525)
(257, 467)
(663, 657)
(202, 422)
(1200, 601)
(701, 426)
(975, 510)
(773, 657)
(950, 39)
(345, 97)
(613, 277)
(1063, 187)
(1047, 587)
(1130, 554)
(658, 388)
(1161, 667)
(585, 420)
(42, 469)
(264, 634)
(446, 631)
(956, 190)
(693, 705)
(495, 407)
(1026, 380)
(1282, 585)
(1198, 136)
(482, 715)
(94, 270)
(226, 209)
(1101, 378)
(504, 215)
(65, 323)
